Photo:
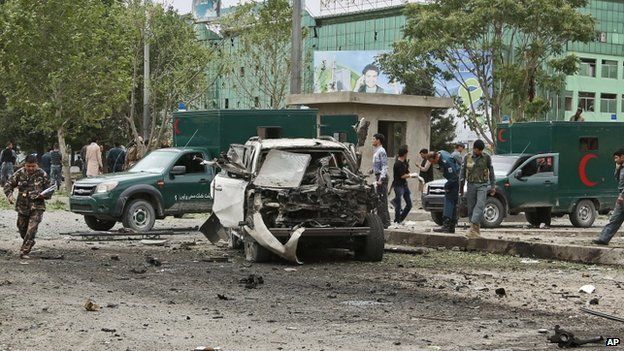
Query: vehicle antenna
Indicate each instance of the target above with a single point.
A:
(191, 138)
(526, 147)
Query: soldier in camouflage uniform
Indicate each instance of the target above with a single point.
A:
(478, 171)
(30, 204)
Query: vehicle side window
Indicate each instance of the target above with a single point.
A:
(539, 166)
(192, 165)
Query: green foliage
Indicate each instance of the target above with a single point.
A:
(513, 48)
(259, 60)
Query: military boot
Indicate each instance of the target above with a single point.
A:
(445, 226)
(473, 232)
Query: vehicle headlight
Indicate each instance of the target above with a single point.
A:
(425, 188)
(105, 187)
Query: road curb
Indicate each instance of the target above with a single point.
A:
(572, 253)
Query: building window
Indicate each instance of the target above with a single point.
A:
(269, 132)
(586, 101)
(608, 103)
(394, 132)
(609, 69)
(587, 67)
(242, 71)
(588, 144)
(256, 102)
(565, 101)
(227, 103)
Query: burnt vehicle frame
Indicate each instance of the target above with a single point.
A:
(270, 193)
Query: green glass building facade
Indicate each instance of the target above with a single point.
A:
(598, 87)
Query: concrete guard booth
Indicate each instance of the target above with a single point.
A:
(402, 119)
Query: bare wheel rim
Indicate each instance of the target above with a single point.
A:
(140, 217)
(584, 213)
(491, 213)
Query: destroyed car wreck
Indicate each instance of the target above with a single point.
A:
(272, 193)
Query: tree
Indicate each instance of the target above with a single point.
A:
(177, 66)
(506, 50)
(259, 58)
(62, 63)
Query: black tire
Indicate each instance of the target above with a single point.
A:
(584, 214)
(139, 215)
(100, 225)
(254, 252)
(493, 213)
(437, 217)
(371, 247)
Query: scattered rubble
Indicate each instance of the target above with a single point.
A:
(252, 281)
(91, 306)
(500, 292)
(153, 261)
(138, 270)
(588, 289)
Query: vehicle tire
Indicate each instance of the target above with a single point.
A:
(371, 247)
(584, 214)
(100, 225)
(493, 213)
(254, 252)
(139, 216)
(437, 217)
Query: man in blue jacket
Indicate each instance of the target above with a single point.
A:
(450, 169)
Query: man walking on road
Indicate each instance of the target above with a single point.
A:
(477, 170)
(450, 170)
(93, 159)
(7, 162)
(45, 162)
(30, 181)
(56, 166)
(617, 217)
(401, 191)
(380, 169)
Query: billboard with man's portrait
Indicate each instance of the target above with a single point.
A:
(351, 71)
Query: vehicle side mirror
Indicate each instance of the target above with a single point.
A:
(518, 174)
(178, 170)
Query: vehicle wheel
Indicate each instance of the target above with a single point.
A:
(371, 248)
(234, 241)
(139, 216)
(493, 213)
(101, 225)
(254, 252)
(584, 214)
(437, 217)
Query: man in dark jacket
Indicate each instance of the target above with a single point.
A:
(450, 170)
(46, 162)
(401, 190)
(116, 158)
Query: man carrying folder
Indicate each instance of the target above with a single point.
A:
(33, 188)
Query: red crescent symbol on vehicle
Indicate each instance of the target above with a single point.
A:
(176, 125)
(501, 137)
(582, 169)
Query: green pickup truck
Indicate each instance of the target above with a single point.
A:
(172, 182)
(167, 182)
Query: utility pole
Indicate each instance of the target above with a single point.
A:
(295, 55)
(146, 74)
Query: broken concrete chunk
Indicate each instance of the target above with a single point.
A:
(90, 306)
(588, 289)
(252, 281)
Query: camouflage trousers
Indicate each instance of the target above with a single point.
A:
(27, 224)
